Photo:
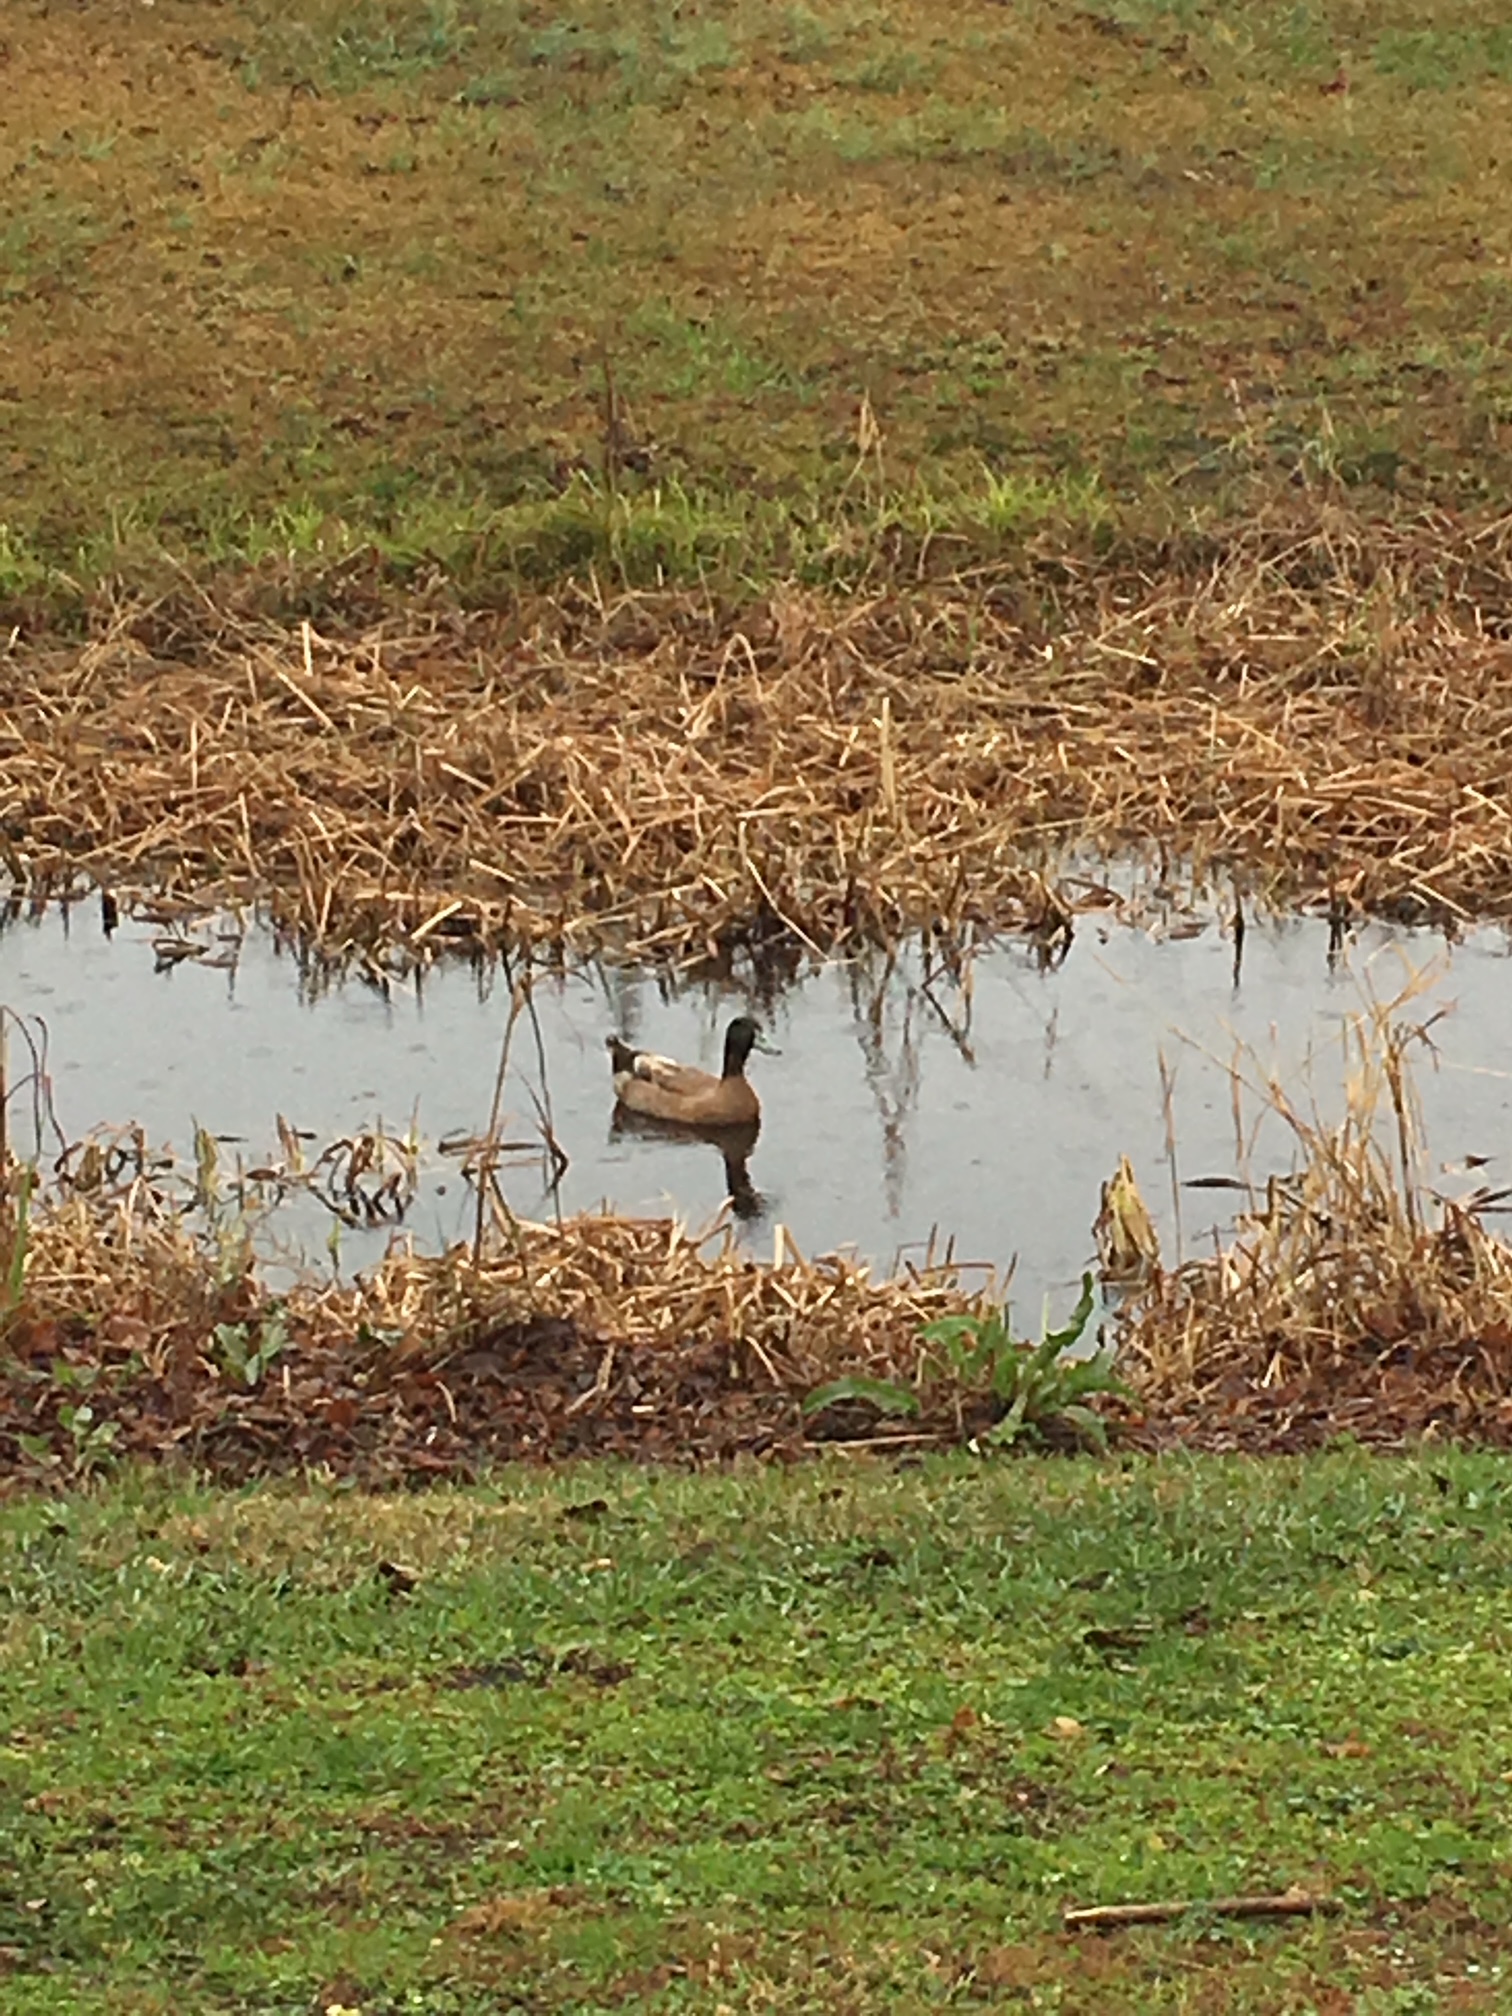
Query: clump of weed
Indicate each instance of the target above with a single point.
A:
(1041, 1389)
(1035, 1391)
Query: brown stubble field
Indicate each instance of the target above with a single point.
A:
(307, 276)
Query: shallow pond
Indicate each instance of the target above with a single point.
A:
(897, 1112)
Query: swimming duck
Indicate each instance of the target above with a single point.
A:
(653, 1085)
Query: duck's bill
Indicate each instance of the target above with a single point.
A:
(766, 1048)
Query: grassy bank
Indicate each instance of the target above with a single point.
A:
(1047, 430)
(724, 285)
(844, 1738)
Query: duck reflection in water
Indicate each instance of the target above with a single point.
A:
(664, 1100)
(733, 1143)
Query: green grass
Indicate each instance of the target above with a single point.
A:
(368, 265)
(647, 536)
(842, 1739)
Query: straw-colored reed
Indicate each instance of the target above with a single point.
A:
(1323, 709)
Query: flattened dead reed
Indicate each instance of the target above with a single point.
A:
(1325, 707)
(648, 1282)
(630, 1281)
(622, 1335)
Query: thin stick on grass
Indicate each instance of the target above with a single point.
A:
(1109, 1917)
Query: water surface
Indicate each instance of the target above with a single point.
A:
(900, 1112)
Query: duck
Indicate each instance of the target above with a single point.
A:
(664, 1090)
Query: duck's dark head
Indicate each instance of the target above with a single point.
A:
(741, 1038)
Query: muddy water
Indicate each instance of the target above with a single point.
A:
(897, 1112)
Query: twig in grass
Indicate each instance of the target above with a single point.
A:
(1109, 1917)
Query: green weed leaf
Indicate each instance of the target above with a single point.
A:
(882, 1394)
(1038, 1384)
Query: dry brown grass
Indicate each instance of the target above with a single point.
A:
(1352, 1296)
(1324, 709)
(141, 1299)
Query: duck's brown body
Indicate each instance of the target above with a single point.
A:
(665, 1090)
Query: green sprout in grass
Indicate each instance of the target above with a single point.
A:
(1036, 1389)
(1039, 1386)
